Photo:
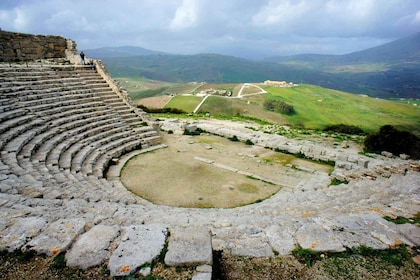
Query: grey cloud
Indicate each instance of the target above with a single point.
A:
(231, 27)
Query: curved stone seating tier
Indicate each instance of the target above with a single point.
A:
(54, 108)
(81, 140)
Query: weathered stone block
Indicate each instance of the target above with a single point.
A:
(189, 246)
(21, 232)
(92, 247)
(57, 237)
(140, 244)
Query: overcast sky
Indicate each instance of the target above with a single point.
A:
(247, 28)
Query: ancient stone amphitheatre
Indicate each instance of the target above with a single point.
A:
(67, 131)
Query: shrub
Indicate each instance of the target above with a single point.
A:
(392, 140)
(198, 131)
(279, 106)
(161, 110)
(343, 128)
(234, 138)
(336, 182)
(249, 142)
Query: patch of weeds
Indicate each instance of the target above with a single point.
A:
(161, 257)
(278, 150)
(143, 124)
(249, 142)
(306, 256)
(328, 162)
(234, 138)
(126, 277)
(198, 131)
(403, 220)
(251, 128)
(336, 182)
(59, 261)
(19, 255)
(170, 131)
(300, 155)
(392, 256)
(105, 271)
(151, 277)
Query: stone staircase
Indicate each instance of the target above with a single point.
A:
(62, 127)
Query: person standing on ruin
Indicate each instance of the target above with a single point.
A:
(82, 56)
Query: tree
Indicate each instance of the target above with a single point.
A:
(392, 140)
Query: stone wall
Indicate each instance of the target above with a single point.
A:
(27, 47)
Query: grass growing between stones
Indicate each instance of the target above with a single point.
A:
(403, 220)
(369, 265)
(336, 182)
(391, 256)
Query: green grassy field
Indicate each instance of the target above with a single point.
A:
(139, 88)
(185, 103)
(248, 107)
(317, 107)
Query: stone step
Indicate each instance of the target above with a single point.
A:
(81, 136)
(57, 237)
(189, 246)
(45, 109)
(140, 244)
(98, 146)
(12, 114)
(91, 248)
(64, 131)
(20, 119)
(81, 92)
(109, 150)
(22, 231)
(102, 131)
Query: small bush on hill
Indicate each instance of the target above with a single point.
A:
(249, 142)
(343, 128)
(234, 138)
(392, 140)
(161, 110)
(198, 131)
(279, 106)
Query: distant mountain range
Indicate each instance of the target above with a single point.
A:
(391, 70)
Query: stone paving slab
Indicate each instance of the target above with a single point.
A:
(384, 231)
(57, 237)
(22, 231)
(351, 231)
(280, 239)
(139, 244)
(92, 247)
(410, 232)
(189, 246)
(313, 236)
(255, 247)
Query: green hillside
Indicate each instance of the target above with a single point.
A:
(391, 70)
(184, 103)
(388, 71)
(315, 107)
